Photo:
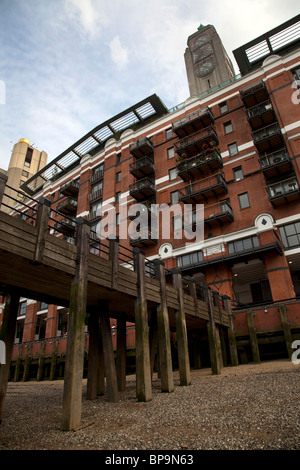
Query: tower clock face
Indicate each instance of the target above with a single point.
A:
(205, 67)
(203, 51)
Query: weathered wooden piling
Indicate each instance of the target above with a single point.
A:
(143, 363)
(213, 338)
(7, 335)
(253, 337)
(286, 329)
(181, 333)
(72, 397)
(164, 340)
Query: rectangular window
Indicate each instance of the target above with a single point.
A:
(223, 107)
(290, 235)
(173, 174)
(118, 159)
(233, 149)
(177, 222)
(228, 127)
(246, 244)
(118, 177)
(238, 173)
(22, 308)
(174, 197)
(28, 157)
(190, 259)
(169, 133)
(171, 153)
(296, 74)
(25, 173)
(244, 200)
(118, 197)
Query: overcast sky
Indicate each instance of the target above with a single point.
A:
(68, 65)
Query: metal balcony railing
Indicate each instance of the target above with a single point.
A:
(67, 205)
(144, 185)
(95, 195)
(214, 185)
(194, 121)
(283, 189)
(194, 143)
(141, 166)
(70, 188)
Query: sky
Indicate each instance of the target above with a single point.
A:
(66, 66)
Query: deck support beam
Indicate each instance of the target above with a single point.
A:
(93, 356)
(121, 352)
(108, 353)
(7, 335)
(181, 333)
(72, 396)
(164, 339)
(143, 363)
(213, 339)
(286, 330)
(253, 337)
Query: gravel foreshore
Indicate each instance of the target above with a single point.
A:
(248, 407)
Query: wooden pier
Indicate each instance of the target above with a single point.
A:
(37, 264)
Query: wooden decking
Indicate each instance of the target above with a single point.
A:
(50, 279)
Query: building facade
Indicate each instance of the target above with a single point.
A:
(232, 148)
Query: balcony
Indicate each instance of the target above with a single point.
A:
(202, 190)
(276, 163)
(143, 239)
(200, 164)
(142, 189)
(193, 144)
(268, 138)
(97, 176)
(261, 115)
(145, 207)
(193, 122)
(284, 191)
(220, 213)
(70, 188)
(141, 147)
(66, 226)
(95, 214)
(95, 195)
(67, 206)
(254, 94)
(142, 167)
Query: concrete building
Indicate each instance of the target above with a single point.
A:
(233, 146)
(25, 161)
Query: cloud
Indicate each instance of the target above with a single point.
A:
(85, 15)
(118, 52)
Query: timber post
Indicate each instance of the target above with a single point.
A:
(286, 329)
(7, 335)
(108, 354)
(93, 356)
(114, 257)
(164, 336)
(231, 336)
(42, 219)
(121, 352)
(142, 347)
(39, 374)
(253, 337)
(213, 338)
(181, 332)
(52, 374)
(3, 181)
(72, 396)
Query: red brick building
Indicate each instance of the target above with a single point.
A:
(234, 148)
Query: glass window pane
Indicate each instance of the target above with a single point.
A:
(290, 230)
(293, 240)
